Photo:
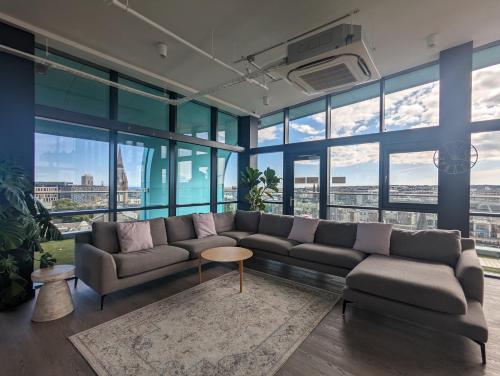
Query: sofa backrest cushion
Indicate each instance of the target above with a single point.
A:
(247, 220)
(180, 228)
(104, 236)
(275, 224)
(158, 231)
(134, 236)
(431, 245)
(224, 222)
(336, 233)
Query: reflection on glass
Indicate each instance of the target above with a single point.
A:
(270, 130)
(227, 128)
(306, 187)
(352, 215)
(275, 162)
(227, 208)
(413, 178)
(71, 166)
(140, 215)
(142, 171)
(410, 220)
(193, 174)
(193, 209)
(486, 232)
(354, 175)
(227, 176)
(193, 119)
(307, 122)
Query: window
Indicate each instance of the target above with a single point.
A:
(185, 210)
(74, 223)
(354, 176)
(62, 250)
(356, 112)
(227, 207)
(193, 174)
(352, 215)
(410, 220)
(486, 84)
(142, 171)
(275, 162)
(413, 178)
(63, 90)
(486, 232)
(307, 122)
(140, 110)
(227, 128)
(227, 176)
(273, 208)
(412, 99)
(140, 215)
(271, 130)
(193, 119)
(71, 167)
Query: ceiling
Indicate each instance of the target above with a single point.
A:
(395, 29)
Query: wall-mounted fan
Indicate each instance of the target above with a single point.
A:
(456, 157)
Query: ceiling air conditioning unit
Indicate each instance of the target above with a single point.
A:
(331, 60)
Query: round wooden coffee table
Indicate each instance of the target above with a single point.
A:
(226, 254)
(54, 299)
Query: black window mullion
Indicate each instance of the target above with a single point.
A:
(172, 160)
(113, 148)
(213, 160)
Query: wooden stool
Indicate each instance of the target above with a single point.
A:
(54, 299)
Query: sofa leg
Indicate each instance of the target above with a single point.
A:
(483, 351)
(76, 281)
(344, 306)
(102, 301)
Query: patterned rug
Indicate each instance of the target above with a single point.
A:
(210, 329)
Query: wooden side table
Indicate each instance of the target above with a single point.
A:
(54, 298)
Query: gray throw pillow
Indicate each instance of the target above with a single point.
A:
(303, 229)
(204, 225)
(134, 236)
(373, 238)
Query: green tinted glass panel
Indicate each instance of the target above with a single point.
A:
(227, 176)
(227, 208)
(227, 128)
(140, 215)
(193, 209)
(193, 119)
(193, 174)
(271, 130)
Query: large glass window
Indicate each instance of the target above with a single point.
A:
(412, 99)
(140, 215)
(56, 88)
(413, 178)
(275, 162)
(227, 128)
(228, 207)
(271, 130)
(352, 215)
(227, 176)
(356, 112)
(193, 209)
(354, 176)
(307, 122)
(193, 174)
(142, 171)
(193, 119)
(486, 231)
(410, 220)
(140, 110)
(486, 84)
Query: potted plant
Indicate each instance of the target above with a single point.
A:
(261, 185)
(24, 224)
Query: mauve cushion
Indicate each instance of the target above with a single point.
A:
(303, 229)
(204, 225)
(134, 236)
(373, 238)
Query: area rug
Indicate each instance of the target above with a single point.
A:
(210, 329)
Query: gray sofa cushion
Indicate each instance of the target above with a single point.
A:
(180, 228)
(236, 235)
(432, 245)
(336, 234)
(329, 255)
(247, 220)
(132, 263)
(421, 283)
(196, 246)
(158, 231)
(224, 222)
(275, 224)
(269, 243)
(104, 236)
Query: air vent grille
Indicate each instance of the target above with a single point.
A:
(329, 77)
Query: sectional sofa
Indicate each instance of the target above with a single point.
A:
(431, 277)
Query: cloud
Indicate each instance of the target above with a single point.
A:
(269, 134)
(486, 93)
(319, 118)
(352, 155)
(356, 118)
(413, 159)
(306, 129)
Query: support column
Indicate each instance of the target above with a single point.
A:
(247, 137)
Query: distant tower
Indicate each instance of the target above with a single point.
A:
(87, 180)
(121, 179)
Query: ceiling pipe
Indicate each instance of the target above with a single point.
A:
(181, 40)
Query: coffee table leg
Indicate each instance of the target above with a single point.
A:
(241, 276)
(199, 267)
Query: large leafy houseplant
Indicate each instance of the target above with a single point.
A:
(24, 224)
(261, 186)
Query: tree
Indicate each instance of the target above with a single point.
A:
(260, 185)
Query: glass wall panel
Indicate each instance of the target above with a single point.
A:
(227, 128)
(485, 175)
(410, 220)
(356, 112)
(227, 208)
(142, 171)
(271, 130)
(306, 187)
(307, 122)
(413, 178)
(227, 176)
(273, 208)
(412, 100)
(71, 166)
(63, 90)
(352, 215)
(62, 250)
(193, 119)
(275, 162)
(140, 110)
(72, 224)
(354, 176)
(193, 174)
(486, 232)
(486, 84)
(193, 209)
(140, 215)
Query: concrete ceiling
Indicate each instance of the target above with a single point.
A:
(395, 29)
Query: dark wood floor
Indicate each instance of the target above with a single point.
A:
(363, 343)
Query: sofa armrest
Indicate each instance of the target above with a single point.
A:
(95, 267)
(470, 274)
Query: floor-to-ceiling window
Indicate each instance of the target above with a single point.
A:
(275, 162)
(307, 122)
(271, 130)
